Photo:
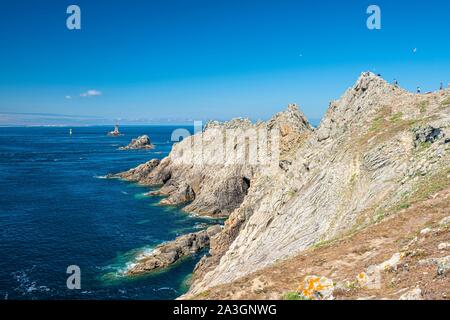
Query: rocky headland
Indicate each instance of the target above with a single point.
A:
(378, 152)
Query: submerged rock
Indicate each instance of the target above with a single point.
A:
(142, 142)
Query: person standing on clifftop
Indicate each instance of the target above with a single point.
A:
(395, 83)
(441, 87)
(418, 90)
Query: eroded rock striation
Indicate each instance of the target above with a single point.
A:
(142, 142)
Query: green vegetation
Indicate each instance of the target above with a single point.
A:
(424, 145)
(292, 295)
(403, 205)
(377, 124)
(432, 185)
(395, 118)
(353, 179)
(292, 192)
(322, 243)
(379, 215)
(423, 105)
(203, 294)
(351, 285)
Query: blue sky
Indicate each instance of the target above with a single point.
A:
(203, 59)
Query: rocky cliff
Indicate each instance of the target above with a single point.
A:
(211, 171)
(378, 149)
(370, 154)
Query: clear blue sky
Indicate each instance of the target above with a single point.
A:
(197, 59)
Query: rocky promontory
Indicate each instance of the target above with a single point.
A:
(142, 142)
(168, 253)
(378, 151)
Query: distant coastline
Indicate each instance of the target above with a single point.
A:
(33, 120)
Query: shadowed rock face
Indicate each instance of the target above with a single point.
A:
(142, 142)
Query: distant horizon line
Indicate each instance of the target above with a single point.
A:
(95, 125)
(106, 122)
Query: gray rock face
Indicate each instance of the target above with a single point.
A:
(426, 134)
(142, 142)
(168, 253)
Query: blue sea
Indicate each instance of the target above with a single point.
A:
(57, 210)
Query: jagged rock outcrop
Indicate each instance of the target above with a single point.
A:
(168, 253)
(142, 142)
(210, 171)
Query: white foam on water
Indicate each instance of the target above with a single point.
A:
(26, 285)
(101, 177)
(145, 253)
(165, 288)
(142, 254)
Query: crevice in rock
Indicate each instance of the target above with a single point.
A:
(166, 177)
(245, 185)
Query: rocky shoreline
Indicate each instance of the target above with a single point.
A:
(170, 252)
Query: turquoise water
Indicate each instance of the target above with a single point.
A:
(56, 210)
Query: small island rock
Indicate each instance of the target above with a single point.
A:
(142, 142)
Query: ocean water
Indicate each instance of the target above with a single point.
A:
(56, 210)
